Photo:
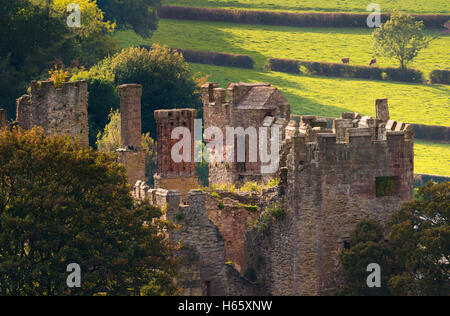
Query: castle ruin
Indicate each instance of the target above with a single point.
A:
(330, 178)
(58, 111)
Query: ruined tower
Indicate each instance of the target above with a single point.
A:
(171, 175)
(249, 106)
(3, 118)
(58, 111)
(131, 153)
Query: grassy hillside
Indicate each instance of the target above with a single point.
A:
(262, 42)
(413, 103)
(431, 158)
(357, 6)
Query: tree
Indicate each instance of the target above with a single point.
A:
(165, 76)
(35, 36)
(367, 246)
(60, 204)
(108, 141)
(416, 258)
(400, 38)
(420, 237)
(140, 15)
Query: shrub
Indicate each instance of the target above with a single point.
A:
(214, 58)
(250, 208)
(284, 18)
(342, 70)
(221, 206)
(276, 211)
(180, 216)
(251, 187)
(440, 76)
(58, 76)
(216, 195)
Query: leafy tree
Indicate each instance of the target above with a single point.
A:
(140, 15)
(367, 246)
(400, 38)
(420, 237)
(109, 141)
(416, 259)
(60, 204)
(35, 36)
(166, 78)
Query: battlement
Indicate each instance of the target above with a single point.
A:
(182, 115)
(59, 111)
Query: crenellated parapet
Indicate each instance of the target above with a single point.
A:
(59, 111)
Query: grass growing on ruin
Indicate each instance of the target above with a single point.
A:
(262, 42)
(356, 6)
(432, 158)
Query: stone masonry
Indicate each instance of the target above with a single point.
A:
(248, 105)
(131, 154)
(329, 180)
(173, 175)
(3, 118)
(58, 111)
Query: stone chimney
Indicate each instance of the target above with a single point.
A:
(131, 153)
(382, 109)
(3, 118)
(171, 175)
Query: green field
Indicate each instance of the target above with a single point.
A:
(326, 96)
(431, 158)
(262, 42)
(412, 103)
(357, 6)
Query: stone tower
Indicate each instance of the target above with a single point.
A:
(249, 105)
(131, 153)
(173, 175)
(58, 111)
(3, 118)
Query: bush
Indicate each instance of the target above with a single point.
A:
(217, 59)
(214, 58)
(342, 70)
(440, 76)
(284, 18)
(250, 208)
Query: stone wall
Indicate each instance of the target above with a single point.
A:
(242, 105)
(58, 111)
(227, 212)
(204, 265)
(331, 186)
(3, 118)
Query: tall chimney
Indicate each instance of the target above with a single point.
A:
(131, 154)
